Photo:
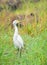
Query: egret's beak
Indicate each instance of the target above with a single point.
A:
(17, 24)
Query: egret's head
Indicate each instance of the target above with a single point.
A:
(15, 22)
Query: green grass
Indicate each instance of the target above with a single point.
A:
(35, 52)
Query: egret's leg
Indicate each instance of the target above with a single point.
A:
(17, 50)
(20, 50)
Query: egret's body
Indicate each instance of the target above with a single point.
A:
(18, 42)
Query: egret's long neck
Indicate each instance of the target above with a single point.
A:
(16, 29)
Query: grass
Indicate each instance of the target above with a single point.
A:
(35, 52)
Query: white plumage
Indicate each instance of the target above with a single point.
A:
(18, 42)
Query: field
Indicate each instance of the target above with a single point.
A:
(35, 52)
(34, 36)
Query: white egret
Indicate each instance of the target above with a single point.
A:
(18, 41)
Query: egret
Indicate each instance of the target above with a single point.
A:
(17, 39)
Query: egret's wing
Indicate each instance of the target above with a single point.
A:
(20, 40)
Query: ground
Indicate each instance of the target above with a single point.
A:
(35, 52)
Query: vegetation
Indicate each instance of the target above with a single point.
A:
(33, 15)
(35, 51)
